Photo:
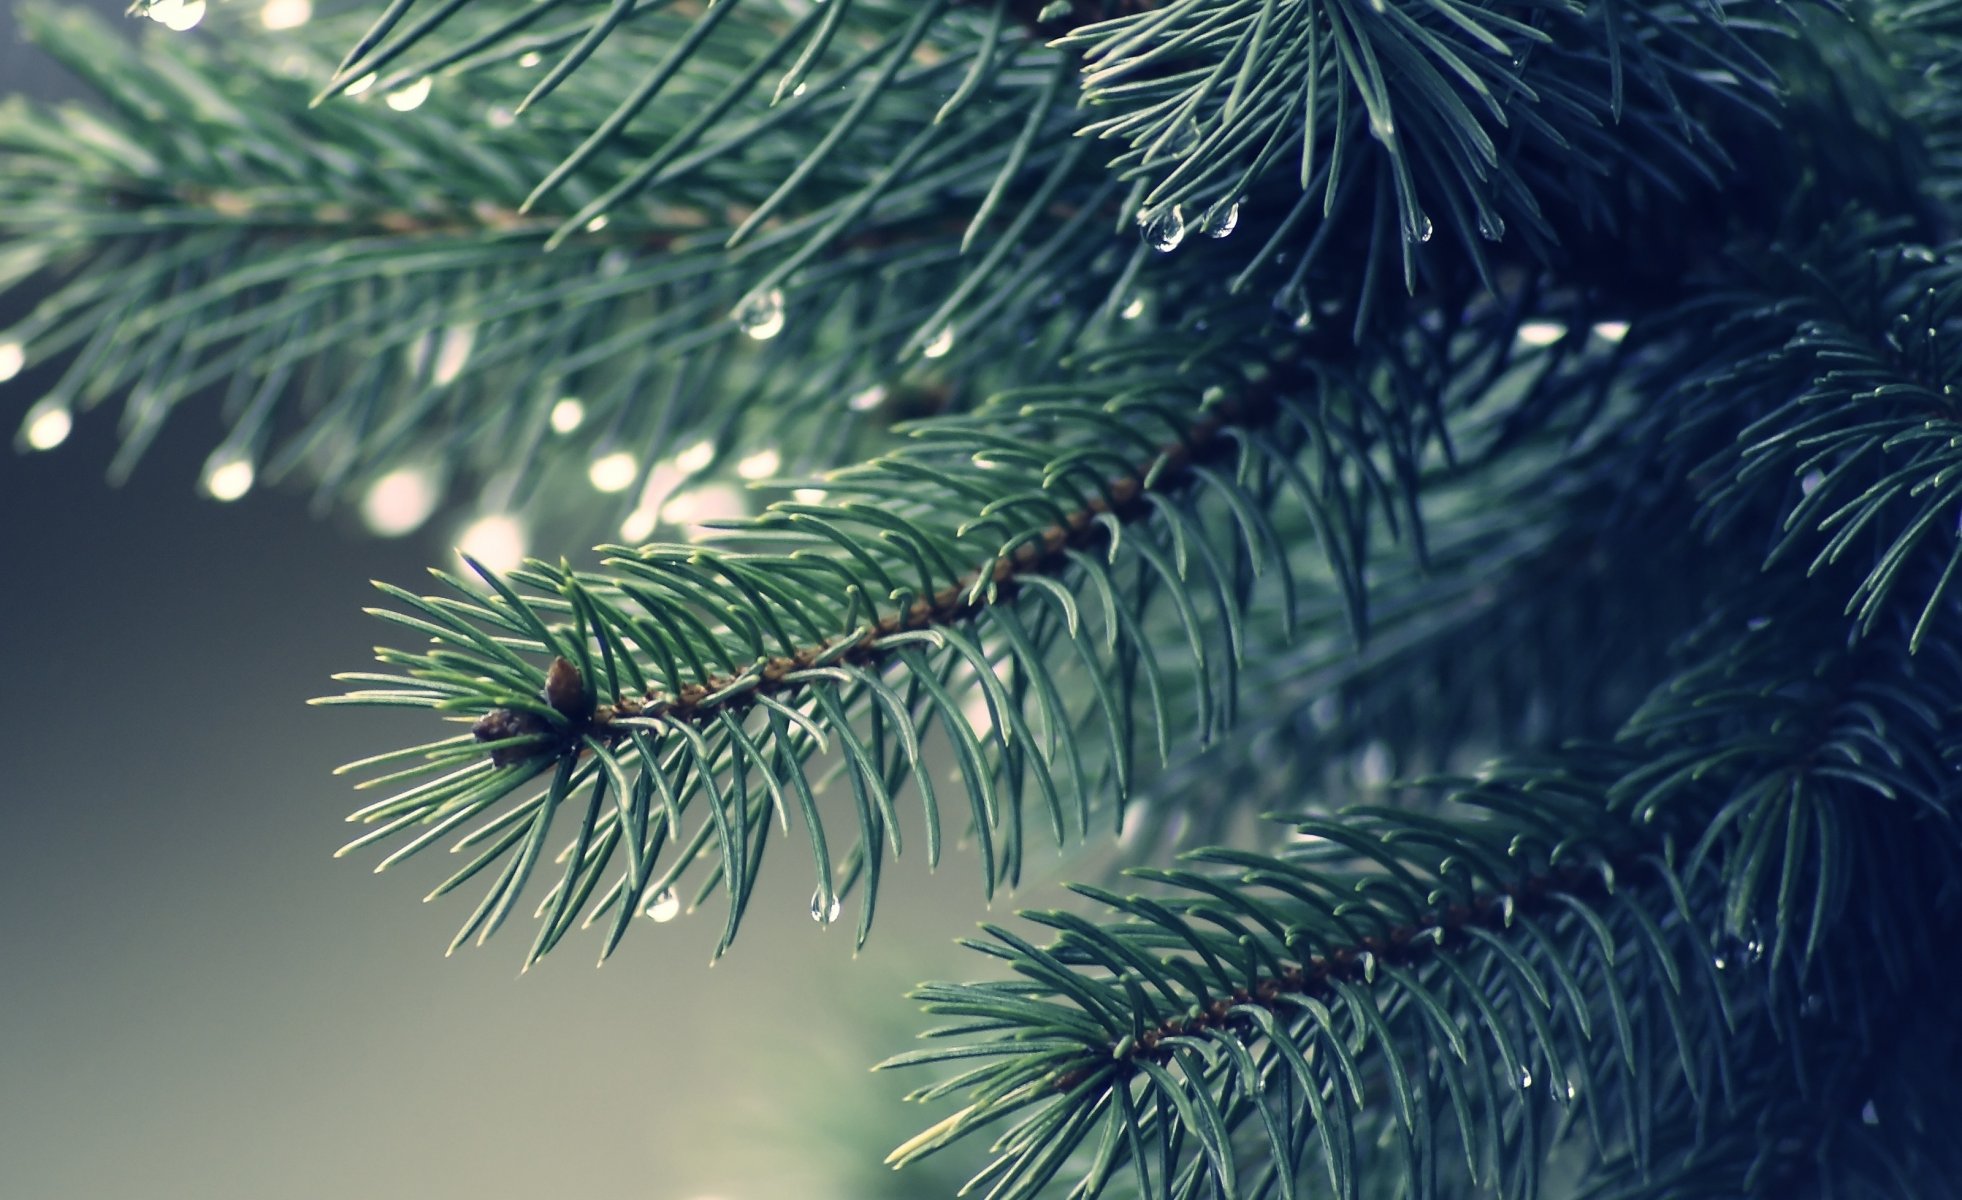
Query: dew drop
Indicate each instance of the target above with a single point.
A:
(530, 58)
(411, 97)
(597, 223)
(1810, 481)
(1525, 1078)
(868, 399)
(1920, 254)
(1221, 219)
(1572, 1090)
(13, 356)
(1165, 231)
(228, 476)
(760, 315)
(360, 85)
(176, 15)
(568, 414)
(1540, 333)
(821, 914)
(663, 906)
(47, 425)
(942, 343)
(1611, 331)
(1423, 230)
(613, 472)
(1383, 127)
(285, 14)
(1134, 309)
(1491, 226)
(1293, 303)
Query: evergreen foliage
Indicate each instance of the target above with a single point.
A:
(1516, 441)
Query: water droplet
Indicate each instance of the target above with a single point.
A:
(1165, 231)
(821, 914)
(1918, 254)
(1383, 127)
(13, 357)
(176, 15)
(1869, 1115)
(400, 501)
(613, 472)
(1540, 333)
(411, 97)
(868, 399)
(360, 85)
(760, 465)
(1423, 230)
(1221, 219)
(663, 906)
(47, 425)
(1611, 331)
(760, 315)
(1810, 481)
(597, 223)
(1525, 1078)
(1507, 907)
(285, 14)
(452, 353)
(1134, 309)
(530, 58)
(567, 415)
(1293, 303)
(496, 540)
(1573, 1089)
(228, 476)
(1491, 226)
(942, 342)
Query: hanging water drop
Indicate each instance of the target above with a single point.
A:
(1221, 219)
(1525, 1078)
(820, 913)
(13, 356)
(1134, 309)
(1293, 303)
(942, 342)
(410, 98)
(47, 425)
(1572, 1090)
(760, 315)
(1422, 231)
(1810, 481)
(1491, 226)
(663, 906)
(1165, 231)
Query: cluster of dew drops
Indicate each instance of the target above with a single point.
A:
(664, 905)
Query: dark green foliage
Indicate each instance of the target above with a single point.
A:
(1518, 442)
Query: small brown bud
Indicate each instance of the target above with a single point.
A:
(502, 724)
(565, 690)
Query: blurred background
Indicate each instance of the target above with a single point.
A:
(197, 1002)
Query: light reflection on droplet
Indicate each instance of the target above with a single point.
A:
(228, 478)
(176, 15)
(613, 472)
(567, 415)
(47, 425)
(399, 502)
(1810, 481)
(597, 223)
(942, 342)
(285, 14)
(1164, 231)
(760, 315)
(1541, 333)
(496, 540)
(453, 353)
(360, 85)
(530, 58)
(760, 465)
(820, 912)
(13, 356)
(868, 399)
(411, 97)
(695, 457)
(1134, 309)
(1221, 219)
(663, 906)
(1611, 331)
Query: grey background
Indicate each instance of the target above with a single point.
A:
(198, 1002)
